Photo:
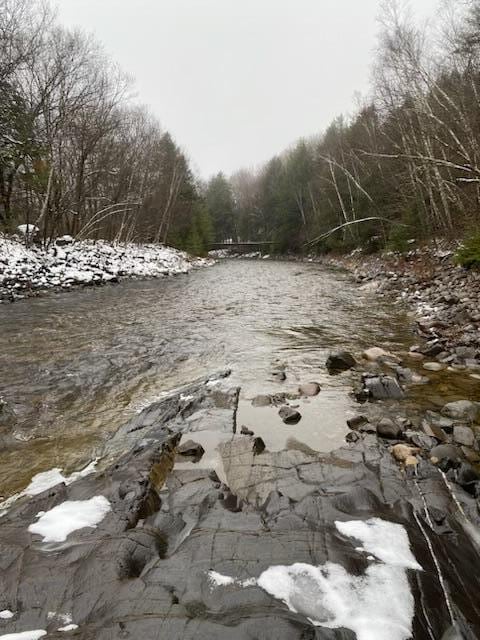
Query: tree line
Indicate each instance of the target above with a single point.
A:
(77, 155)
(406, 164)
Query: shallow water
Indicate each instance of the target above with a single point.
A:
(75, 366)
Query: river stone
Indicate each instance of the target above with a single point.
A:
(446, 453)
(374, 354)
(356, 422)
(468, 478)
(341, 361)
(421, 440)
(262, 401)
(434, 431)
(462, 410)
(289, 415)
(309, 389)
(386, 428)
(434, 366)
(383, 388)
(245, 431)
(404, 375)
(471, 455)
(191, 449)
(464, 436)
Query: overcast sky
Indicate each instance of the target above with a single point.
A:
(236, 81)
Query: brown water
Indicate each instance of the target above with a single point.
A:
(75, 366)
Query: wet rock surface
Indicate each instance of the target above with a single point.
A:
(145, 570)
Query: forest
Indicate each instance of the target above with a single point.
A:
(79, 156)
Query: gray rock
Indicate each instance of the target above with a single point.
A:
(468, 478)
(466, 353)
(356, 422)
(309, 389)
(446, 453)
(421, 440)
(383, 388)
(245, 431)
(262, 401)
(289, 415)
(191, 449)
(434, 431)
(464, 436)
(462, 410)
(341, 361)
(434, 366)
(386, 428)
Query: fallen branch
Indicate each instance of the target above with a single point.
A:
(346, 224)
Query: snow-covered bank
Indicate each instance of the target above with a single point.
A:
(26, 270)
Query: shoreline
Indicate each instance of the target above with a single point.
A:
(27, 272)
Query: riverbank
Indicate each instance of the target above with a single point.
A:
(28, 271)
(444, 298)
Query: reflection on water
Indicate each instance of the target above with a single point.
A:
(75, 366)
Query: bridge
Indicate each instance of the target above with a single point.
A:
(243, 247)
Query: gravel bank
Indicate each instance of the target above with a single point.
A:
(25, 271)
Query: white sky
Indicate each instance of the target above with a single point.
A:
(236, 81)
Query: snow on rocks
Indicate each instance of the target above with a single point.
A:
(331, 597)
(24, 270)
(6, 614)
(46, 480)
(57, 523)
(25, 635)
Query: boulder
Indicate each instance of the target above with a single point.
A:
(383, 388)
(386, 428)
(289, 415)
(309, 389)
(374, 354)
(434, 431)
(468, 478)
(447, 454)
(191, 449)
(462, 410)
(356, 422)
(245, 431)
(464, 436)
(434, 366)
(341, 361)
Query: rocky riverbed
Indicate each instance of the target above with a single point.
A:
(188, 524)
(26, 271)
(374, 540)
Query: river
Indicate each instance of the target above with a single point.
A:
(74, 366)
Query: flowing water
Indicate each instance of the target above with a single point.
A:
(75, 366)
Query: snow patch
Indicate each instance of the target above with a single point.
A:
(6, 614)
(375, 605)
(25, 635)
(55, 525)
(220, 580)
(387, 541)
(46, 480)
(68, 627)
